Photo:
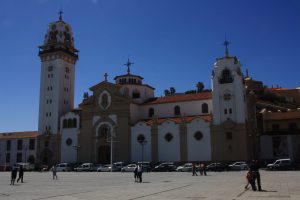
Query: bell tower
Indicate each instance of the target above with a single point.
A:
(229, 128)
(58, 57)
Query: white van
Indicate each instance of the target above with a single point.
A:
(63, 167)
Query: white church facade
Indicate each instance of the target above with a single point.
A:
(124, 121)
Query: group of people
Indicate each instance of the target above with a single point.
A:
(202, 169)
(14, 172)
(253, 176)
(138, 173)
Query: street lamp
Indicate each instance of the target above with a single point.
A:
(25, 146)
(76, 147)
(143, 143)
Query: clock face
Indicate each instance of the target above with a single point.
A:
(104, 100)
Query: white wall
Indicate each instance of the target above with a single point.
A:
(136, 148)
(187, 108)
(69, 152)
(168, 151)
(198, 150)
(145, 92)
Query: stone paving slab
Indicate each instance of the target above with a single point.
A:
(283, 185)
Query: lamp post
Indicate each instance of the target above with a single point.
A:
(76, 147)
(25, 146)
(143, 143)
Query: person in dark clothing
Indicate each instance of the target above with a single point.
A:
(254, 168)
(14, 172)
(135, 174)
(21, 174)
(140, 173)
(194, 169)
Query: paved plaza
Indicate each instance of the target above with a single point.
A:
(159, 185)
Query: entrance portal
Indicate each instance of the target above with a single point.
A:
(104, 154)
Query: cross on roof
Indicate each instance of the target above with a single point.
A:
(60, 15)
(226, 44)
(128, 64)
(105, 77)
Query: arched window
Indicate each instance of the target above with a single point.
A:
(150, 112)
(204, 108)
(226, 76)
(176, 110)
(74, 122)
(69, 123)
(65, 123)
(104, 131)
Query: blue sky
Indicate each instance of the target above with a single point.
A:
(173, 43)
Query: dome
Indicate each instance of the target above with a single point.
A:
(59, 32)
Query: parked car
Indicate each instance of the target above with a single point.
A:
(63, 167)
(187, 167)
(118, 166)
(216, 167)
(146, 166)
(165, 167)
(129, 168)
(281, 164)
(85, 167)
(238, 166)
(26, 166)
(107, 168)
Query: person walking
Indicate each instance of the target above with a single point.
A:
(14, 172)
(194, 169)
(254, 168)
(54, 170)
(249, 178)
(203, 169)
(135, 172)
(140, 173)
(21, 174)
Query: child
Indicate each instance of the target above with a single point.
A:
(249, 177)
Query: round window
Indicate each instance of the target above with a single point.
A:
(198, 135)
(168, 137)
(69, 141)
(141, 138)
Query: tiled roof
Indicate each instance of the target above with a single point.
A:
(19, 135)
(282, 115)
(177, 120)
(180, 98)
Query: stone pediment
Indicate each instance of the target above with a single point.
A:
(103, 84)
(228, 124)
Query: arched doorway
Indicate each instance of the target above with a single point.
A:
(104, 154)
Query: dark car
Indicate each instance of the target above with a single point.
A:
(165, 167)
(216, 167)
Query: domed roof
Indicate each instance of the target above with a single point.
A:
(59, 32)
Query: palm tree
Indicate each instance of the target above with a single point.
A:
(200, 87)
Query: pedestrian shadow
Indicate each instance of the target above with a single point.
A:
(268, 191)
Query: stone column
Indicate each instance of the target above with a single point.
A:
(183, 142)
(154, 143)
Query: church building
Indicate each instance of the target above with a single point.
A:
(124, 120)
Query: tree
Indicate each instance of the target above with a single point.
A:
(172, 90)
(200, 87)
(167, 92)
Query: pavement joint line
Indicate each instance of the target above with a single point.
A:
(61, 195)
(147, 195)
(4, 194)
(240, 194)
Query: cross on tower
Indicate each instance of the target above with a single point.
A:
(60, 15)
(226, 44)
(128, 64)
(105, 77)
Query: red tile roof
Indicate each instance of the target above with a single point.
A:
(19, 135)
(177, 120)
(181, 97)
